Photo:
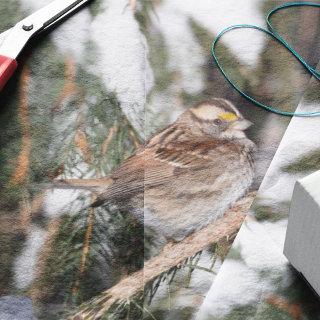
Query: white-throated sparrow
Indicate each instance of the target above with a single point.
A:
(188, 174)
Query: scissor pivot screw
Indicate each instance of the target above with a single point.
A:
(27, 27)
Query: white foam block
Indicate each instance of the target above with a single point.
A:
(302, 244)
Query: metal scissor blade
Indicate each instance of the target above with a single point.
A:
(52, 12)
(65, 15)
(17, 37)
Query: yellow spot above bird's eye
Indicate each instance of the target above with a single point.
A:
(228, 116)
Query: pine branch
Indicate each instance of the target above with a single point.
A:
(134, 139)
(81, 142)
(85, 249)
(22, 167)
(70, 87)
(172, 255)
(37, 291)
(29, 209)
(112, 131)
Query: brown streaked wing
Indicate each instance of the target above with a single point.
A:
(157, 166)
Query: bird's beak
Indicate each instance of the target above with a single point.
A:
(241, 124)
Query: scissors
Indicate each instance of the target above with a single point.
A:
(16, 38)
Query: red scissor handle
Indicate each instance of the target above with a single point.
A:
(7, 69)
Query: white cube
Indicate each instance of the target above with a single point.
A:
(302, 244)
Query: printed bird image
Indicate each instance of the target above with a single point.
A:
(187, 175)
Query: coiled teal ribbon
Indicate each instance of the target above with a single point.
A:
(274, 34)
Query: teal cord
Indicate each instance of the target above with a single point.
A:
(272, 33)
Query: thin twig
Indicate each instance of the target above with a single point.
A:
(143, 309)
(82, 183)
(192, 266)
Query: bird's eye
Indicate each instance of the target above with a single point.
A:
(217, 122)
